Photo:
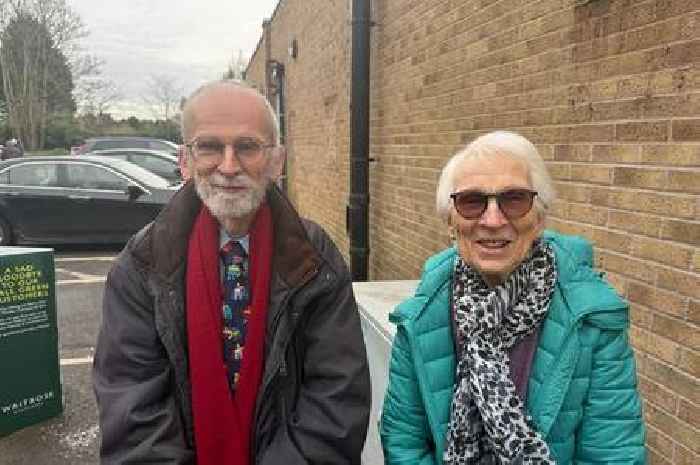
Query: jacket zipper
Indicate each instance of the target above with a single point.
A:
(573, 328)
(282, 368)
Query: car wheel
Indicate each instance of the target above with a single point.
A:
(5, 232)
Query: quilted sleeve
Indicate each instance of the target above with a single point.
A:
(404, 426)
(612, 428)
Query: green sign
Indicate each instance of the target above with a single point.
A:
(30, 385)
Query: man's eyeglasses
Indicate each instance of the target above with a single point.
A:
(211, 151)
(514, 203)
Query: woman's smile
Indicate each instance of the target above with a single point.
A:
(492, 243)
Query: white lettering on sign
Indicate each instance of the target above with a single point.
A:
(27, 403)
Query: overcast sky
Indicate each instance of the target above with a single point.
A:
(191, 40)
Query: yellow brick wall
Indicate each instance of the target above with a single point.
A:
(318, 95)
(609, 90)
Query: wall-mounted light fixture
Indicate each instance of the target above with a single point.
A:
(293, 49)
(276, 70)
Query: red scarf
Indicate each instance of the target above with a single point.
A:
(222, 423)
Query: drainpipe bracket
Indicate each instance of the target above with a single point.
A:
(370, 22)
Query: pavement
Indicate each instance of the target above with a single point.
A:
(73, 437)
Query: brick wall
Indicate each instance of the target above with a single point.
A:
(317, 99)
(609, 90)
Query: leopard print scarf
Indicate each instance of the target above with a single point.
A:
(488, 423)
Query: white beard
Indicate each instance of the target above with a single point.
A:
(226, 205)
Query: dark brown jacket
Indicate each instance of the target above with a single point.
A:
(314, 400)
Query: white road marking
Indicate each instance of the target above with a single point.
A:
(78, 274)
(96, 279)
(80, 278)
(76, 361)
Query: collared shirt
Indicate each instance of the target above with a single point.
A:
(224, 237)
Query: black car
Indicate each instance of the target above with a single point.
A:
(51, 200)
(127, 142)
(161, 163)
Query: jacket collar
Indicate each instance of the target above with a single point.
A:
(583, 290)
(163, 248)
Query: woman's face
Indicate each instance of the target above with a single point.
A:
(493, 244)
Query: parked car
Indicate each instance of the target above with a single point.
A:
(161, 163)
(52, 199)
(121, 142)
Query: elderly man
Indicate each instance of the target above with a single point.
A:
(230, 334)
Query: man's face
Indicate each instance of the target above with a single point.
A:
(232, 186)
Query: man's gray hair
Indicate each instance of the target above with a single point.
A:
(497, 143)
(186, 122)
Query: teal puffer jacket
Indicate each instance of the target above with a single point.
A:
(582, 390)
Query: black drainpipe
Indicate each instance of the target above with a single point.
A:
(357, 213)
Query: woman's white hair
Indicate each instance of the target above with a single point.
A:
(497, 143)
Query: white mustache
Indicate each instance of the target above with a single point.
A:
(240, 180)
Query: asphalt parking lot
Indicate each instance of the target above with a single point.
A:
(71, 438)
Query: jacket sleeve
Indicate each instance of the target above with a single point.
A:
(138, 414)
(329, 422)
(612, 427)
(404, 427)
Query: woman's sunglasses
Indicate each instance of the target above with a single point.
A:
(514, 203)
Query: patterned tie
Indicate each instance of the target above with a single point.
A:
(235, 308)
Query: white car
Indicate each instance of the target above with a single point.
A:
(160, 163)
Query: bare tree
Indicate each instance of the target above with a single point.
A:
(33, 37)
(64, 27)
(63, 23)
(84, 64)
(96, 95)
(236, 67)
(162, 96)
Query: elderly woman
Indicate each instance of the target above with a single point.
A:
(513, 350)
